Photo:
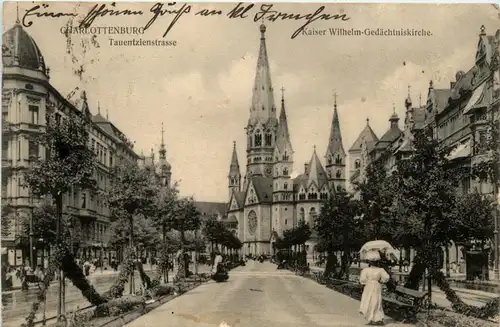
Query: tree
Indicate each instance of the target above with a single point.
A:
(68, 163)
(376, 199)
(145, 234)
(187, 218)
(131, 193)
(339, 229)
(474, 218)
(426, 193)
(163, 216)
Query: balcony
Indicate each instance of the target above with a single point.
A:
(6, 163)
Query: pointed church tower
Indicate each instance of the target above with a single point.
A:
(335, 154)
(409, 119)
(164, 165)
(283, 167)
(234, 176)
(262, 124)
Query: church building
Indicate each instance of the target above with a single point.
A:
(267, 200)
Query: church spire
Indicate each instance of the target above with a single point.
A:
(263, 97)
(163, 151)
(234, 168)
(335, 145)
(283, 142)
(234, 177)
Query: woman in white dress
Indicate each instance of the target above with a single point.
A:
(371, 300)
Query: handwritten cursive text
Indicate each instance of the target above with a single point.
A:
(273, 15)
(102, 10)
(39, 11)
(158, 10)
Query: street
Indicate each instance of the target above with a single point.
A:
(258, 295)
(17, 304)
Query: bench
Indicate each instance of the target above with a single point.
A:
(411, 301)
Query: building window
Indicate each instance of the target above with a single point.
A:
(357, 164)
(33, 114)
(286, 222)
(58, 118)
(84, 200)
(338, 160)
(285, 171)
(19, 150)
(285, 186)
(33, 149)
(5, 149)
(339, 174)
(285, 156)
(269, 139)
(105, 156)
(110, 160)
(258, 139)
(302, 196)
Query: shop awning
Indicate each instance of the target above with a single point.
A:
(475, 99)
(463, 150)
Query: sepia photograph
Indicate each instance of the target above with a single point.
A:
(244, 164)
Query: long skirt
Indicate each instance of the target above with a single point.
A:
(371, 302)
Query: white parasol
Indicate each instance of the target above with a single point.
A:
(378, 245)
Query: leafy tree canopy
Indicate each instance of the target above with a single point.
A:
(68, 161)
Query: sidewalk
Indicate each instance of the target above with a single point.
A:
(95, 275)
(472, 297)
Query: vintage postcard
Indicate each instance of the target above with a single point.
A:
(250, 164)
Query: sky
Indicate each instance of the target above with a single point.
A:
(201, 89)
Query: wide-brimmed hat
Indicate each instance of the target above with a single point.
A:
(372, 256)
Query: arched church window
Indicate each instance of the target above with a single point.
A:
(258, 139)
(338, 160)
(339, 173)
(285, 171)
(312, 216)
(252, 222)
(302, 214)
(285, 186)
(329, 174)
(269, 139)
(330, 160)
(339, 188)
(357, 164)
(285, 156)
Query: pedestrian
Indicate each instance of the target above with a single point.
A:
(371, 301)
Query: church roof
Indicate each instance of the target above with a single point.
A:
(240, 198)
(316, 173)
(20, 49)
(263, 187)
(263, 105)
(335, 140)
(210, 208)
(367, 134)
(234, 167)
(283, 136)
(391, 135)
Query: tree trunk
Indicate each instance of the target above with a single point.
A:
(447, 254)
(165, 270)
(131, 245)
(61, 310)
(331, 263)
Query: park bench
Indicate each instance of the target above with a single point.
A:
(409, 302)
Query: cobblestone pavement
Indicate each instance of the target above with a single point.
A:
(17, 304)
(258, 295)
